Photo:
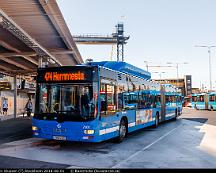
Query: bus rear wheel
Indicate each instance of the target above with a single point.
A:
(156, 120)
(122, 131)
(176, 112)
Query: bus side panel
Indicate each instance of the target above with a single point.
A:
(144, 118)
(109, 125)
(212, 105)
(137, 119)
(193, 104)
(200, 105)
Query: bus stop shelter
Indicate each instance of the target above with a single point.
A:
(33, 32)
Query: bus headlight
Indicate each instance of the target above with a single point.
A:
(34, 128)
(89, 132)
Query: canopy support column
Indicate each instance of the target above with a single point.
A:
(15, 96)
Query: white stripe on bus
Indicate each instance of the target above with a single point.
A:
(108, 130)
(169, 115)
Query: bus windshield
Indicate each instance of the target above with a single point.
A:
(71, 102)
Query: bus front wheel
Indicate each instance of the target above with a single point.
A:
(122, 130)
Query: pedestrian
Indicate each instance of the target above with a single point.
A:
(5, 106)
(28, 107)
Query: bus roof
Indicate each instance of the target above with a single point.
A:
(212, 93)
(123, 67)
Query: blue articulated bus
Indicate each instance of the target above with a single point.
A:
(202, 100)
(98, 101)
(212, 101)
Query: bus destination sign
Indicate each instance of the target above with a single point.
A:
(56, 76)
(64, 74)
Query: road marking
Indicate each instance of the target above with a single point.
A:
(138, 152)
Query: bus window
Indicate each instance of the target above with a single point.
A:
(158, 98)
(201, 98)
(154, 100)
(111, 105)
(167, 99)
(212, 98)
(130, 100)
(148, 100)
(43, 99)
(120, 101)
(194, 98)
(55, 99)
(108, 101)
(142, 101)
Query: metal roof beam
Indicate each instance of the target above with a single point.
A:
(32, 60)
(13, 55)
(18, 54)
(13, 62)
(4, 68)
(65, 37)
(61, 52)
(7, 46)
(17, 31)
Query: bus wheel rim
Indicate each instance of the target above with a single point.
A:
(122, 131)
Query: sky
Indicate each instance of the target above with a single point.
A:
(160, 31)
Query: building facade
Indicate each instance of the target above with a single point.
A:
(185, 84)
(25, 90)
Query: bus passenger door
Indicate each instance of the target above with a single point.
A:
(163, 105)
(108, 111)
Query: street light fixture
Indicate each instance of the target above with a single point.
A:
(209, 52)
(147, 66)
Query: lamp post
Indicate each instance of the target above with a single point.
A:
(146, 62)
(177, 69)
(209, 52)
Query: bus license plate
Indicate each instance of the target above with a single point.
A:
(59, 137)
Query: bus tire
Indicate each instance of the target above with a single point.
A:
(156, 120)
(123, 128)
(211, 108)
(176, 112)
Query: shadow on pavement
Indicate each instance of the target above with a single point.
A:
(200, 120)
(15, 129)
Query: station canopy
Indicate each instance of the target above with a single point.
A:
(31, 31)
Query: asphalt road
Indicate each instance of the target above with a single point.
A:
(188, 142)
